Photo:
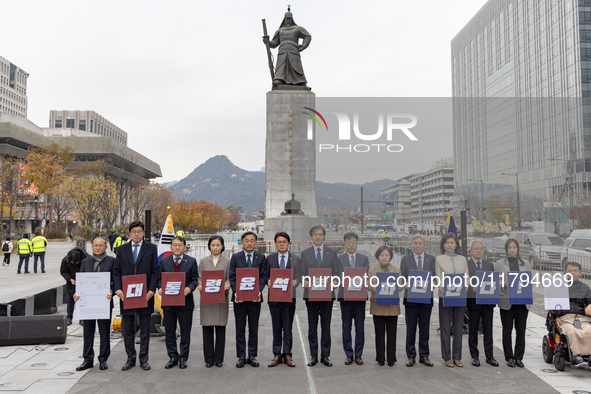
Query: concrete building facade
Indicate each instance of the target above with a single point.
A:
(13, 88)
(395, 201)
(430, 194)
(89, 121)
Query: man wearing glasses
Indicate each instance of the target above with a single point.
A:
(248, 310)
(136, 258)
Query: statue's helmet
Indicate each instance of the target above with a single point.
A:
(289, 15)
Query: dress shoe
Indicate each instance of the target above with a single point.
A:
(410, 362)
(240, 363)
(288, 360)
(252, 361)
(84, 365)
(18, 272)
(476, 362)
(391, 364)
(492, 362)
(145, 366)
(519, 363)
(69, 322)
(358, 360)
(313, 361)
(208, 365)
(458, 363)
(183, 363)
(103, 366)
(173, 362)
(348, 361)
(511, 363)
(219, 365)
(276, 361)
(128, 365)
(326, 361)
(27, 272)
(425, 361)
(449, 363)
(42, 272)
(381, 363)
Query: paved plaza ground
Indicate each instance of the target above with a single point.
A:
(51, 369)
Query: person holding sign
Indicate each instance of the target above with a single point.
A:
(97, 262)
(450, 262)
(138, 257)
(512, 315)
(282, 313)
(247, 310)
(576, 322)
(318, 256)
(352, 309)
(479, 313)
(417, 314)
(385, 317)
(178, 262)
(214, 317)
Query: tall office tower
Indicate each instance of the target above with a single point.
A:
(13, 88)
(89, 121)
(522, 122)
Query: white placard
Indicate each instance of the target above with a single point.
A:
(93, 288)
(556, 297)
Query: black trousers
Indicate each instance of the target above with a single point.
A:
(6, 258)
(128, 326)
(417, 315)
(210, 352)
(21, 258)
(316, 309)
(516, 315)
(282, 319)
(385, 327)
(185, 319)
(484, 314)
(353, 310)
(89, 329)
(243, 312)
(40, 256)
(70, 313)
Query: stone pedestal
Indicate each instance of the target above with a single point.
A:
(290, 164)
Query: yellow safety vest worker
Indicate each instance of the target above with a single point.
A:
(25, 246)
(119, 242)
(385, 234)
(180, 233)
(39, 244)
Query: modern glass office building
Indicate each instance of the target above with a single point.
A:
(521, 88)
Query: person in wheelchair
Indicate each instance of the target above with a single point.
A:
(576, 322)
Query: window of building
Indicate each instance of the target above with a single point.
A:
(70, 121)
(58, 122)
(82, 124)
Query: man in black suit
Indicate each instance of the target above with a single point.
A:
(318, 256)
(282, 313)
(476, 312)
(136, 258)
(416, 313)
(352, 310)
(248, 310)
(97, 262)
(179, 262)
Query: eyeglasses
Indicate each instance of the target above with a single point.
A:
(281, 242)
(137, 232)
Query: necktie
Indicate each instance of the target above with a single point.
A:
(177, 261)
(249, 262)
(282, 262)
(135, 252)
(353, 261)
(478, 266)
(319, 258)
(420, 265)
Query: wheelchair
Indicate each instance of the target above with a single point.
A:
(555, 346)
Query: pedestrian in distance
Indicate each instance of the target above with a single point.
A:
(7, 250)
(25, 251)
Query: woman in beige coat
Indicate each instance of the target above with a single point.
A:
(385, 317)
(214, 316)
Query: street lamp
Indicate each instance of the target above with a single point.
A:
(481, 194)
(518, 202)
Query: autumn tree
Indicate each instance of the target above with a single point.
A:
(45, 168)
(583, 215)
(158, 199)
(497, 206)
(184, 213)
(9, 175)
(62, 204)
(210, 217)
(234, 216)
(87, 193)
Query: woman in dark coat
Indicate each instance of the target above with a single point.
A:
(70, 266)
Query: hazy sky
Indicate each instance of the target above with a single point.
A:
(187, 79)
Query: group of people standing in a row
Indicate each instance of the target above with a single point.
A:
(140, 257)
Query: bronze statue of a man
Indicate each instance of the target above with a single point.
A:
(289, 70)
